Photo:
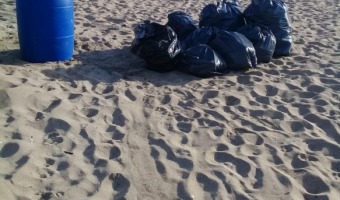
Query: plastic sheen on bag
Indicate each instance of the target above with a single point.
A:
(236, 50)
(181, 23)
(263, 41)
(200, 36)
(274, 15)
(223, 15)
(202, 61)
(157, 45)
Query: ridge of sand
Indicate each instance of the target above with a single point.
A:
(100, 126)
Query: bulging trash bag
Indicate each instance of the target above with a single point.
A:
(263, 41)
(274, 15)
(225, 16)
(157, 45)
(201, 61)
(200, 36)
(236, 50)
(181, 23)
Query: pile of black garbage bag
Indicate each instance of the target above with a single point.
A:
(226, 38)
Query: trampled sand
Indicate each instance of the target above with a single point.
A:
(100, 126)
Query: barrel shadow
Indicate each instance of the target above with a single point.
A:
(11, 57)
(98, 66)
(109, 66)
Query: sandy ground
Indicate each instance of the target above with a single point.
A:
(100, 126)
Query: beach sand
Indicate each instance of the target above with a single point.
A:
(101, 126)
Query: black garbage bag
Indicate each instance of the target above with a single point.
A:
(263, 41)
(200, 36)
(201, 61)
(157, 45)
(225, 16)
(181, 23)
(274, 15)
(236, 50)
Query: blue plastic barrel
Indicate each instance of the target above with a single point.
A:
(45, 29)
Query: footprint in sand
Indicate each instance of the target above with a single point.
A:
(114, 153)
(276, 159)
(245, 80)
(182, 192)
(313, 184)
(90, 149)
(315, 88)
(149, 101)
(19, 164)
(223, 178)
(9, 149)
(184, 127)
(208, 185)
(90, 112)
(294, 127)
(108, 89)
(129, 95)
(9, 119)
(232, 101)
(299, 161)
(182, 162)
(16, 136)
(289, 148)
(237, 140)
(216, 115)
(218, 132)
(73, 96)
(222, 147)
(116, 134)
(63, 165)
(212, 94)
(46, 196)
(335, 166)
(56, 125)
(100, 170)
(315, 197)
(329, 149)
(204, 122)
(252, 138)
(54, 138)
(49, 162)
(39, 116)
(95, 101)
(242, 167)
(250, 150)
(118, 117)
(53, 105)
(166, 99)
(90, 17)
(259, 179)
(120, 184)
(324, 124)
(159, 164)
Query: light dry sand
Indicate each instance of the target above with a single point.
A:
(102, 127)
